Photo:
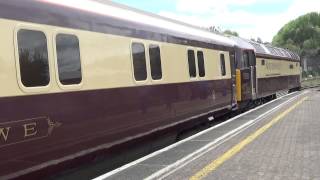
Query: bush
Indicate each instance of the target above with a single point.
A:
(318, 72)
(304, 74)
(312, 73)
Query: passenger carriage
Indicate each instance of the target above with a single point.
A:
(80, 80)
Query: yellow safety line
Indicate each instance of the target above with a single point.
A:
(237, 148)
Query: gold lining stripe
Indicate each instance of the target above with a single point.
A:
(238, 85)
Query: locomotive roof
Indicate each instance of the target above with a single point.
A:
(269, 50)
(112, 18)
(266, 50)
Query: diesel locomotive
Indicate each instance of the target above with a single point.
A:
(81, 77)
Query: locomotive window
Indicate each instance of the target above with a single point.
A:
(201, 65)
(33, 58)
(252, 58)
(155, 62)
(192, 64)
(245, 59)
(263, 62)
(139, 61)
(68, 59)
(223, 65)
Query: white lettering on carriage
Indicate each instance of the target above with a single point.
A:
(30, 129)
(4, 132)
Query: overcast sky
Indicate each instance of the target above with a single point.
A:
(250, 18)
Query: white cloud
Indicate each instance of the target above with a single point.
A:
(216, 12)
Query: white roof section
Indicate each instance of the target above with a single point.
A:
(242, 43)
(133, 15)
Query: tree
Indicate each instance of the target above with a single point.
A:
(259, 40)
(231, 33)
(302, 35)
(214, 29)
(217, 30)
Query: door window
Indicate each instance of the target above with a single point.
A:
(223, 65)
(201, 65)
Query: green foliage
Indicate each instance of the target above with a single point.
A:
(258, 40)
(217, 30)
(232, 33)
(301, 35)
(313, 73)
(304, 74)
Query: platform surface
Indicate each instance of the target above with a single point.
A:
(279, 140)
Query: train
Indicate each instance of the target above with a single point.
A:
(81, 77)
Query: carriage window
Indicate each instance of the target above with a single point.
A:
(201, 65)
(223, 65)
(139, 61)
(192, 64)
(155, 62)
(68, 59)
(263, 62)
(291, 66)
(33, 58)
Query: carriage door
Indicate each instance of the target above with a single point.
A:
(252, 63)
(233, 78)
(248, 75)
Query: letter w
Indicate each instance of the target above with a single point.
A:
(4, 134)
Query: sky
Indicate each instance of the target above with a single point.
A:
(250, 18)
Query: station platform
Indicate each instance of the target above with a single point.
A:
(278, 140)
